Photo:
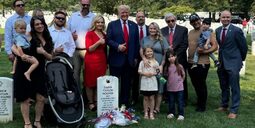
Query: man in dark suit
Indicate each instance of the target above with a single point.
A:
(143, 31)
(123, 41)
(177, 37)
(232, 51)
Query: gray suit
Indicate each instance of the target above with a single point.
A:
(231, 54)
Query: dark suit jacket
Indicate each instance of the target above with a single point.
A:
(147, 30)
(180, 42)
(115, 37)
(234, 49)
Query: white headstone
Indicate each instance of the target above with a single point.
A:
(242, 72)
(107, 94)
(6, 99)
(253, 48)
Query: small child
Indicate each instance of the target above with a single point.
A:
(149, 85)
(175, 76)
(21, 47)
(204, 42)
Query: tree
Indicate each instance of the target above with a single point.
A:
(105, 6)
(178, 10)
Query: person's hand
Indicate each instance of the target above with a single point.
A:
(40, 50)
(160, 69)
(122, 47)
(59, 49)
(146, 63)
(11, 57)
(205, 46)
(136, 62)
(75, 36)
(200, 50)
(102, 41)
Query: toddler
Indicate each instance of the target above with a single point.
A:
(21, 48)
(204, 42)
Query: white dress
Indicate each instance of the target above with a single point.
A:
(148, 83)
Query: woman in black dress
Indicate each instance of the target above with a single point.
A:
(41, 49)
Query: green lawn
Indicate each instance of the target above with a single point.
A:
(208, 119)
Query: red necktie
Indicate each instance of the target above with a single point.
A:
(223, 35)
(141, 33)
(171, 37)
(125, 31)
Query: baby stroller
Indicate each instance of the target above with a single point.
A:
(64, 96)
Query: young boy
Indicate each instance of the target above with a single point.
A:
(21, 48)
(204, 42)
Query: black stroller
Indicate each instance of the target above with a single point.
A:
(64, 95)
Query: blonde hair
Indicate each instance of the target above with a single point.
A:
(95, 20)
(19, 23)
(35, 11)
(123, 7)
(159, 35)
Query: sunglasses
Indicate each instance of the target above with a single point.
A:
(20, 5)
(168, 21)
(60, 18)
(85, 5)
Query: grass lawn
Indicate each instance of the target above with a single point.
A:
(208, 119)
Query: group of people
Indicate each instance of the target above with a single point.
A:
(135, 53)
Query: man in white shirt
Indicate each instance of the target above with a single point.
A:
(79, 23)
(19, 7)
(61, 37)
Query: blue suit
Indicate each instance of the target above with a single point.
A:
(122, 64)
(231, 54)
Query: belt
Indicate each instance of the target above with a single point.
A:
(80, 48)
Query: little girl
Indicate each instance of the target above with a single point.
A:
(149, 85)
(175, 76)
(21, 48)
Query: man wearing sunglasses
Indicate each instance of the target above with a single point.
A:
(61, 37)
(19, 7)
(79, 23)
(177, 37)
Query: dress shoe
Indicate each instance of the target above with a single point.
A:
(232, 115)
(221, 109)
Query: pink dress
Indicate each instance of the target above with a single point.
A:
(175, 81)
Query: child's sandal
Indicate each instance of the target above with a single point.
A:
(146, 116)
(37, 124)
(152, 116)
(28, 125)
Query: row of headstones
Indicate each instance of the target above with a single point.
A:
(242, 72)
(108, 96)
(107, 93)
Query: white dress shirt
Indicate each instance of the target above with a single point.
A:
(81, 25)
(63, 38)
(144, 30)
(122, 23)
